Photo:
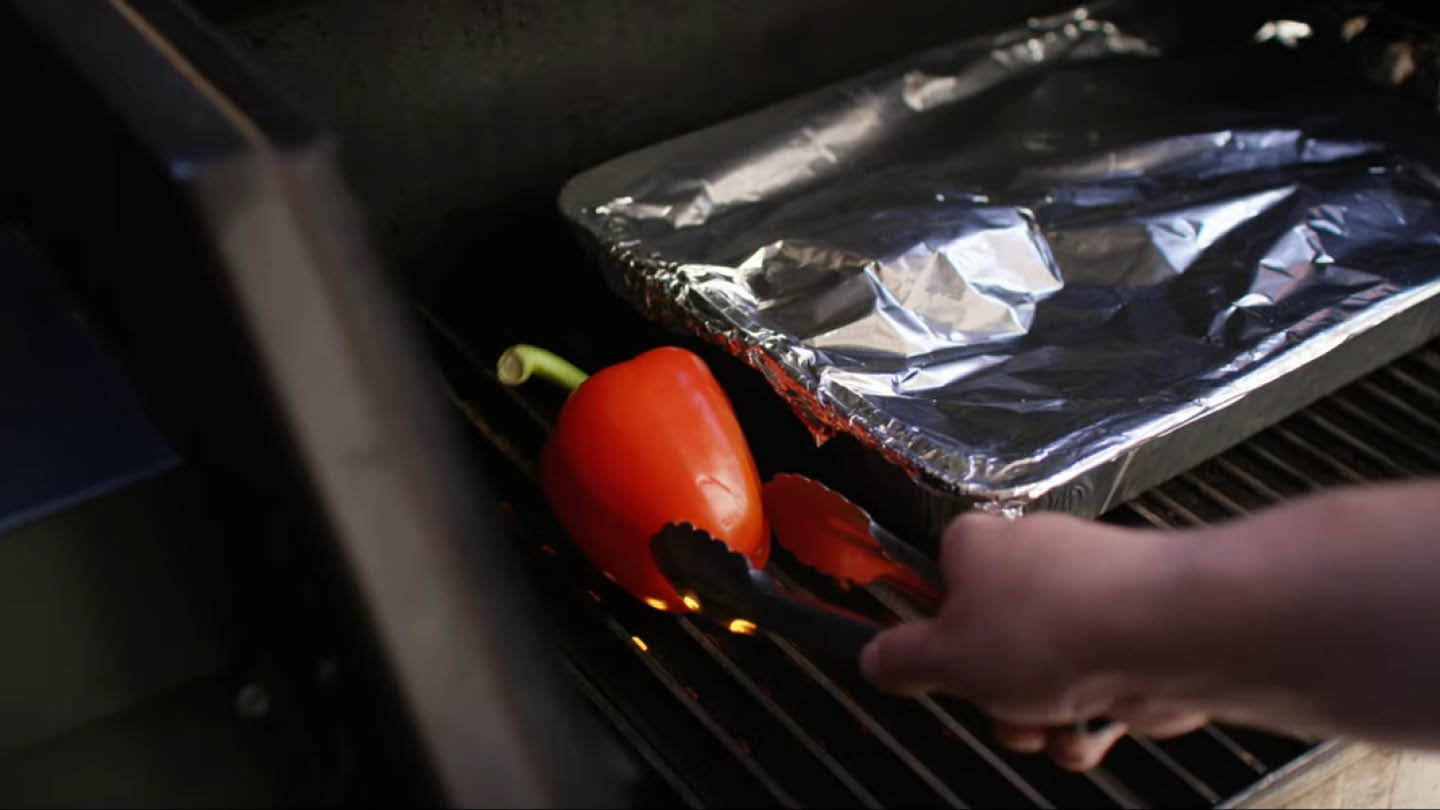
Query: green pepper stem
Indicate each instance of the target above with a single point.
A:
(520, 363)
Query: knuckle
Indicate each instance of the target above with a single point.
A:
(876, 659)
(1047, 524)
(969, 523)
(963, 532)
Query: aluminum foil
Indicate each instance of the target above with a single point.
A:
(1015, 263)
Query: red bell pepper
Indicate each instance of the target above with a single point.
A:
(640, 444)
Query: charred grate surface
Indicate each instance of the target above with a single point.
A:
(719, 719)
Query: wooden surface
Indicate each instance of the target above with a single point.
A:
(1368, 777)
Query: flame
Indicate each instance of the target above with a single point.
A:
(744, 627)
(640, 642)
(658, 604)
(690, 602)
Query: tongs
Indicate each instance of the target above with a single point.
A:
(829, 533)
(725, 587)
(824, 531)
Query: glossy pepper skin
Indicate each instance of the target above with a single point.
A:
(644, 443)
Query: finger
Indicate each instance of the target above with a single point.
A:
(910, 659)
(1081, 752)
(1158, 719)
(958, 536)
(1022, 739)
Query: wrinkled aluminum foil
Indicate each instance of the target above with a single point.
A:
(1025, 267)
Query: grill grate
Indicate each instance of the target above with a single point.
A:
(724, 719)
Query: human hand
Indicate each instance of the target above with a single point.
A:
(1042, 621)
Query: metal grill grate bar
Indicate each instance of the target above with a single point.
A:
(1153, 505)
(1118, 791)
(1269, 458)
(1344, 470)
(1219, 498)
(622, 636)
(460, 347)
(1398, 404)
(984, 752)
(1113, 789)
(1429, 357)
(637, 740)
(1413, 384)
(1242, 475)
(831, 764)
(1384, 428)
(1325, 444)
(677, 690)
(1250, 760)
(1229, 743)
(868, 721)
(900, 608)
(1194, 782)
(1357, 445)
(1173, 506)
(1147, 514)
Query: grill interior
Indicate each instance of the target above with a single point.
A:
(710, 718)
(720, 719)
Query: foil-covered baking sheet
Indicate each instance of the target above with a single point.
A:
(1047, 268)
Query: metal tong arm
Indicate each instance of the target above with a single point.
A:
(837, 633)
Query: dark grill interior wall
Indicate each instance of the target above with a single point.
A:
(460, 119)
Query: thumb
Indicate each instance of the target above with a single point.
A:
(909, 659)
